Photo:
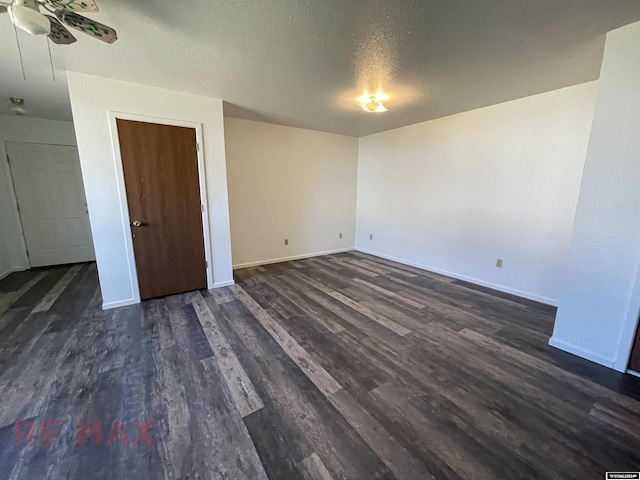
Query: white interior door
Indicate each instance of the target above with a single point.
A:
(53, 209)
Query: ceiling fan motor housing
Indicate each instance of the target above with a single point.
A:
(27, 18)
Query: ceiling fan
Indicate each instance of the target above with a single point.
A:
(27, 15)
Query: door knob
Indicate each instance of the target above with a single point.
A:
(136, 223)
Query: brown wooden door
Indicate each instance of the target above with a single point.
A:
(160, 165)
(634, 361)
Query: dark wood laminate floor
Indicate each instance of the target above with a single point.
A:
(338, 367)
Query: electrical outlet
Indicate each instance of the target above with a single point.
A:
(371, 236)
(499, 263)
(286, 241)
(340, 235)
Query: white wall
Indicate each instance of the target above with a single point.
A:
(289, 183)
(454, 194)
(91, 100)
(13, 255)
(598, 312)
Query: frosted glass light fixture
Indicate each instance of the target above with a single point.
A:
(373, 103)
(17, 106)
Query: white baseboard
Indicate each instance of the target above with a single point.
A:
(120, 303)
(288, 259)
(494, 286)
(580, 352)
(10, 271)
(226, 283)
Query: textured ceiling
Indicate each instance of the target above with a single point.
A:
(305, 62)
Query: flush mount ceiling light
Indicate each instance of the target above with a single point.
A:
(17, 106)
(373, 103)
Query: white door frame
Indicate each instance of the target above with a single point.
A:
(629, 326)
(16, 209)
(122, 192)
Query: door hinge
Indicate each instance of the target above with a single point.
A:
(202, 208)
(197, 147)
(206, 264)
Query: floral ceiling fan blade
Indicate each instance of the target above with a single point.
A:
(59, 34)
(72, 5)
(88, 26)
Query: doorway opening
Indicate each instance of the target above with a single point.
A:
(163, 199)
